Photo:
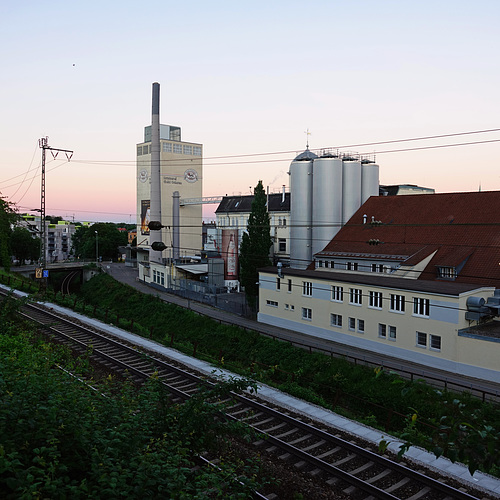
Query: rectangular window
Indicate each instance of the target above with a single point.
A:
(178, 148)
(320, 263)
(397, 303)
(352, 324)
(336, 320)
(139, 150)
(352, 266)
(355, 296)
(188, 150)
(377, 268)
(282, 244)
(421, 339)
(307, 313)
(382, 330)
(307, 288)
(449, 273)
(376, 300)
(361, 325)
(287, 306)
(435, 342)
(278, 283)
(166, 147)
(197, 150)
(392, 332)
(290, 286)
(284, 222)
(145, 149)
(421, 306)
(272, 303)
(337, 293)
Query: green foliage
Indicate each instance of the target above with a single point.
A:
(60, 439)
(7, 219)
(255, 245)
(24, 246)
(108, 239)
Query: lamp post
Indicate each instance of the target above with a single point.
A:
(96, 248)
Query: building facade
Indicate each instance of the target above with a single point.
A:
(181, 174)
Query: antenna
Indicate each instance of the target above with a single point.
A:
(307, 138)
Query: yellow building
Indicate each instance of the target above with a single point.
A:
(181, 171)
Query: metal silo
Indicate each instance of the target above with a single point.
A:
(369, 180)
(301, 178)
(327, 201)
(351, 187)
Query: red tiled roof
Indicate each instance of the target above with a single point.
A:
(462, 227)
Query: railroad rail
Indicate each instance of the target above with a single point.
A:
(323, 453)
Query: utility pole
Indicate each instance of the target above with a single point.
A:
(43, 143)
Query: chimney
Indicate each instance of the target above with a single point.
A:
(283, 194)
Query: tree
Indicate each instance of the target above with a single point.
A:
(255, 245)
(23, 245)
(7, 219)
(108, 239)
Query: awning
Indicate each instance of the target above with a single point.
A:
(194, 268)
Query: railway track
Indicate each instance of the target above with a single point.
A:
(330, 458)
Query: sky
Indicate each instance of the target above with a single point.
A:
(243, 78)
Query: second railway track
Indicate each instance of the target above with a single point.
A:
(321, 452)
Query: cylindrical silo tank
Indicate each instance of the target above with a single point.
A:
(301, 175)
(351, 188)
(369, 180)
(327, 201)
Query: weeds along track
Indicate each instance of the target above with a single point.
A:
(325, 455)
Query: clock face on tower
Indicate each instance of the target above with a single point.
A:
(191, 175)
(143, 175)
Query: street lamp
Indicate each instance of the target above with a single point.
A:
(96, 248)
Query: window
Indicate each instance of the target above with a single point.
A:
(139, 150)
(351, 266)
(284, 222)
(355, 296)
(449, 273)
(278, 283)
(376, 300)
(377, 268)
(166, 147)
(421, 339)
(336, 320)
(272, 303)
(307, 288)
(337, 293)
(197, 150)
(290, 285)
(392, 332)
(421, 306)
(178, 148)
(146, 149)
(320, 263)
(352, 324)
(282, 244)
(188, 150)
(397, 303)
(287, 306)
(435, 342)
(361, 325)
(382, 330)
(307, 313)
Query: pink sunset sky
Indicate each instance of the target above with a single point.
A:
(244, 79)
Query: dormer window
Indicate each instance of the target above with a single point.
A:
(447, 272)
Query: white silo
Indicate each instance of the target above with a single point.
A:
(301, 179)
(369, 180)
(351, 187)
(327, 200)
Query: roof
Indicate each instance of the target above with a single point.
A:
(237, 204)
(463, 229)
(305, 156)
(438, 287)
(194, 268)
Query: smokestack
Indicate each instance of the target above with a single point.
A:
(175, 224)
(155, 194)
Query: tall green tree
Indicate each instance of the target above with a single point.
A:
(7, 218)
(85, 241)
(255, 245)
(23, 245)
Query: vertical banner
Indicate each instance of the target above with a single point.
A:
(145, 216)
(229, 252)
